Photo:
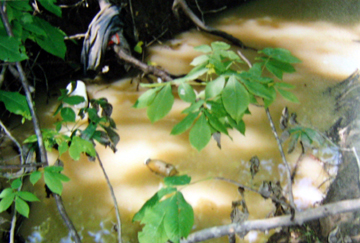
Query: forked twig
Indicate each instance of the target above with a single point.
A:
(113, 197)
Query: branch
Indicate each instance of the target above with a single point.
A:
(43, 154)
(283, 221)
(190, 14)
(288, 170)
(114, 199)
(141, 66)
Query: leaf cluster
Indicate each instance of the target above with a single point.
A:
(228, 92)
(13, 194)
(166, 215)
(28, 26)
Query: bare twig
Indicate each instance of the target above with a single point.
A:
(72, 5)
(357, 160)
(113, 197)
(136, 33)
(72, 37)
(14, 167)
(267, 224)
(286, 164)
(142, 66)
(43, 154)
(182, 4)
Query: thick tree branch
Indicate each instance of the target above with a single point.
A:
(182, 4)
(283, 221)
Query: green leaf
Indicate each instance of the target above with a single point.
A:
(219, 45)
(20, 5)
(284, 85)
(74, 99)
(215, 87)
(293, 141)
(53, 182)
(193, 74)
(231, 56)
(200, 134)
(203, 48)
(240, 126)
(10, 49)
(280, 54)
(152, 201)
(215, 123)
(200, 60)
(193, 107)
(177, 180)
(138, 47)
(235, 99)
(28, 196)
(15, 103)
(216, 107)
(184, 124)
(162, 104)
(146, 98)
(6, 202)
(22, 207)
(186, 92)
(79, 146)
(114, 136)
(68, 114)
(35, 177)
(6, 192)
(27, 23)
(278, 68)
(258, 89)
(50, 6)
(53, 42)
(288, 95)
(63, 147)
(15, 184)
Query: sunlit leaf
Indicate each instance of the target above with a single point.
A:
(15, 103)
(184, 124)
(28, 196)
(15, 184)
(288, 95)
(195, 73)
(74, 99)
(215, 123)
(278, 68)
(219, 45)
(235, 98)
(52, 182)
(22, 207)
(6, 202)
(203, 48)
(35, 177)
(186, 92)
(200, 60)
(200, 134)
(63, 147)
(146, 98)
(280, 54)
(79, 146)
(240, 126)
(177, 180)
(138, 47)
(6, 192)
(258, 89)
(215, 87)
(161, 105)
(193, 107)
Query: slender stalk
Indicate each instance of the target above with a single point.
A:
(114, 199)
(286, 164)
(43, 154)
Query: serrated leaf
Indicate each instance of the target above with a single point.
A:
(15, 103)
(184, 124)
(162, 104)
(203, 48)
(235, 98)
(53, 42)
(28, 196)
(215, 87)
(177, 180)
(68, 114)
(152, 201)
(146, 98)
(186, 92)
(280, 54)
(74, 99)
(6, 202)
(219, 45)
(200, 134)
(79, 146)
(10, 49)
(288, 95)
(22, 207)
(200, 60)
(35, 177)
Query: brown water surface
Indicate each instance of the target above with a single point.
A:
(323, 34)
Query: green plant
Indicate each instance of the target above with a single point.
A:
(166, 215)
(227, 91)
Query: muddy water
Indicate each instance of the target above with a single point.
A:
(323, 34)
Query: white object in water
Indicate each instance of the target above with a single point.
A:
(80, 90)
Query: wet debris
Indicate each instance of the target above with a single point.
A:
(254, 166)
(160, 167)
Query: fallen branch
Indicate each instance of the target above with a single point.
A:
(283, 221)
(182, 4)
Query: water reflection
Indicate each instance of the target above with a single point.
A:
(320, 33)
